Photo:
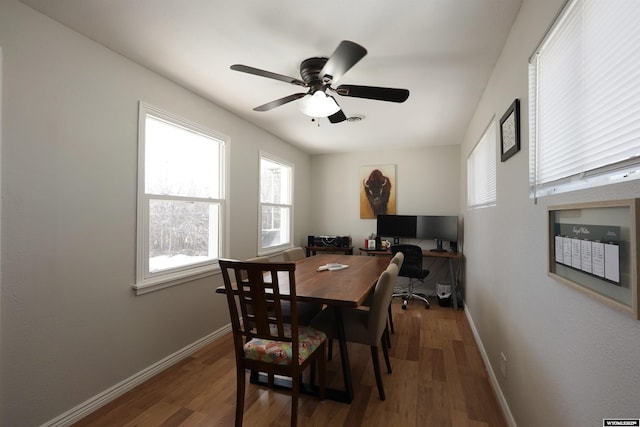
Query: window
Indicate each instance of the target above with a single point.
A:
(481, 170)
(181, 199)
(276, 179)
(584, 103)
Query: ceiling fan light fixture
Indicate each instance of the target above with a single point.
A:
(319, 74)
(318, 105)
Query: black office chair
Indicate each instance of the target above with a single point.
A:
(411, 268)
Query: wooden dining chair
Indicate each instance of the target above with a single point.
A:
(262, 340)
(366, 326)
(306, 310)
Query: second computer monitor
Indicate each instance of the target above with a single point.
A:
(438, 228)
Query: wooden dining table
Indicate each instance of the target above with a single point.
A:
(347, 287)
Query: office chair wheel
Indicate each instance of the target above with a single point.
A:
(404, 304)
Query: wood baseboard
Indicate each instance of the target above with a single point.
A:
(492, 375)
(85, 408)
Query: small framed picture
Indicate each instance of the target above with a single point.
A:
(510, 131)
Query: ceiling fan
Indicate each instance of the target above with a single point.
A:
(318, 74)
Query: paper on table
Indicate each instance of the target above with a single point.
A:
(332, 266)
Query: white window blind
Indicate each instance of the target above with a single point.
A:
(481, 170)
(584, 99)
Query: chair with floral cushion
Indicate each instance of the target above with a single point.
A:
(262, 340)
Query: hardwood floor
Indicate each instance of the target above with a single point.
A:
(438, 379)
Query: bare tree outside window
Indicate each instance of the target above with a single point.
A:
(182, 203)
(275, 203)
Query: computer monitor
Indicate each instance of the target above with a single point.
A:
(396, 226)
(439, 228)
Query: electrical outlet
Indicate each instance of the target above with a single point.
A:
(503, 365)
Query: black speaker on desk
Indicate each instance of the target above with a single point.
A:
(329, 241)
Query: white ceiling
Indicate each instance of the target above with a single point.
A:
(443, 51)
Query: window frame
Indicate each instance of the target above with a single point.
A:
(491, 141)
(147, 281)
(275, 159)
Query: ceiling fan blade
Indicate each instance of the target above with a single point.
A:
(337, 117)
(346, 55)
(278, 102)
(373, 92)
(267, 74)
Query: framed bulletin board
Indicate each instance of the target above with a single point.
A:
(593, 248)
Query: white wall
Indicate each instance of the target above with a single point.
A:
(71, 327)
(1, 133)
(571, 360)
(427, 183)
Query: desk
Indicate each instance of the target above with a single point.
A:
(450, 256)
(312, 250)
(337, 289)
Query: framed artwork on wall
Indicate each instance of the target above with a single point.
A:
(377, 191)
(510, 131)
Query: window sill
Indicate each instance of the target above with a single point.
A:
(167, 281)
(274, 250)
